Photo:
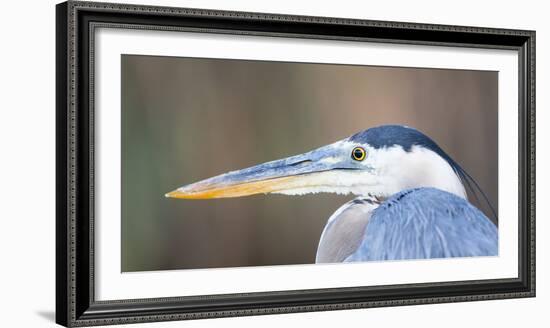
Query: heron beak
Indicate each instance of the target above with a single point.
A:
(198, 191)
(285, 174)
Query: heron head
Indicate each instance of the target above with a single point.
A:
(379, 162)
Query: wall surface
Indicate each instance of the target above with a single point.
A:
(27, 163)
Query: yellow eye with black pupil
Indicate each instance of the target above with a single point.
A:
(358, 154)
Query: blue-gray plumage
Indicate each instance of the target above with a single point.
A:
(412, 200)
(426, 223)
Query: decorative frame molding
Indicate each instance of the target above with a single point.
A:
(75, 28)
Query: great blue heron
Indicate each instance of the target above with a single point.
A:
(412, 202)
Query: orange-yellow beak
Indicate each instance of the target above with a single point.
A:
(295, 172)
(205, 191)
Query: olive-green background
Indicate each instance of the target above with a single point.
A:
(186, 119)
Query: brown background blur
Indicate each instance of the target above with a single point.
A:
(186, 119)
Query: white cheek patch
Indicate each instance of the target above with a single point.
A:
(419, 167)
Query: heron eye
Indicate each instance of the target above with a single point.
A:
(358, 154)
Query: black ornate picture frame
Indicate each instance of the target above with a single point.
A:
(75, 279)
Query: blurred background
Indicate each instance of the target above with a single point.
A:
(186, 119)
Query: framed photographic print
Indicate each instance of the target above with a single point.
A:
(215, 163)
